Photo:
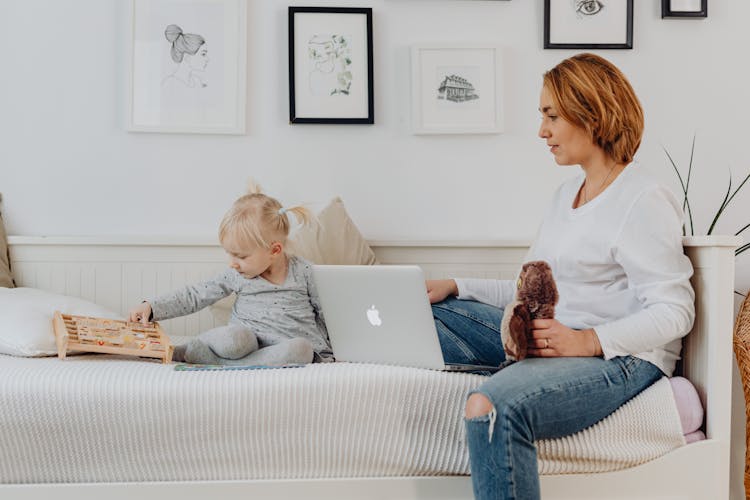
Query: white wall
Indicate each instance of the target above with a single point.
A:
(68, 167)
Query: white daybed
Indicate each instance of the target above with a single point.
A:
(117, 272)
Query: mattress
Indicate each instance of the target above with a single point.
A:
(104, 418)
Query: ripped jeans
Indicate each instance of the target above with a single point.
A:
(537, 398)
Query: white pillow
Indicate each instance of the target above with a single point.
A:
(26, 319)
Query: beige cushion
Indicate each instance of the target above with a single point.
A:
(332, 239)
(6, 279)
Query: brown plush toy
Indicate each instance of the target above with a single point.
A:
(535, 299)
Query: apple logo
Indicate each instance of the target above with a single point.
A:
(373, 316)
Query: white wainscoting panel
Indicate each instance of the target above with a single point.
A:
(118, 273)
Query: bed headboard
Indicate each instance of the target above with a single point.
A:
(119, 272)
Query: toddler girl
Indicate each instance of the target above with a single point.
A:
(277, 318)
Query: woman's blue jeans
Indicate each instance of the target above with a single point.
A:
(537, 398)
(469, 332)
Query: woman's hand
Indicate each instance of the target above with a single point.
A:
(550, 338)
(439, 290)
(141, 313)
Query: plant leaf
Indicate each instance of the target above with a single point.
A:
(729, 199)
(677, 171)
(685, 202)
(690, 170)
(723, 205)
(687, 187)
(738, 232)
(736, 190)
(741, 249)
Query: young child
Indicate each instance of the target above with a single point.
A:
(277, 318)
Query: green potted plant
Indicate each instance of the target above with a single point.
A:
(728, 197)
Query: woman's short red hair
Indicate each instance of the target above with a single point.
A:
(592, 93)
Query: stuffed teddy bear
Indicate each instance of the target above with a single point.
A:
(535, 299)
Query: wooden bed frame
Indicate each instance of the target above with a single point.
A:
(118, 272)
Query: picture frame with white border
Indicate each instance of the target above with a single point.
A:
(457, 88)
(187, 66)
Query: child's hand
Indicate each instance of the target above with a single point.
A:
(141, 313)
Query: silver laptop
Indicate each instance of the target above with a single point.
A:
(381, 314)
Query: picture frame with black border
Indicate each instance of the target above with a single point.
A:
(588, 24)
(331, 65)
(692, 9)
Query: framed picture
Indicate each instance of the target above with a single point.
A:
(457, 89)
(588, 24)
(330, 65)
(187, 66)
(684, 8)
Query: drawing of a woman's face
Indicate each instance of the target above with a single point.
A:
(199, 60)
(321, 52)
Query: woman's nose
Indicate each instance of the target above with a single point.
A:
(543, 131)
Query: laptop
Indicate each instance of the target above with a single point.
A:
(381, 314)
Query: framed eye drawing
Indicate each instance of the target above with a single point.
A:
(696, 9)
(457, 89)
(588, 24)
(330, 65)
(187, 66)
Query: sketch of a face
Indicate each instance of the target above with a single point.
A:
(199, 60)
(329, 58)
(587, 7)
(321, 54)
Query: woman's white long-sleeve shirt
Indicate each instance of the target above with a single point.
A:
(619, 266)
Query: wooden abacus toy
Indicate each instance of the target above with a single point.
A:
(112, 336)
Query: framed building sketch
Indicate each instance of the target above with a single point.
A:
(457, 89)
(187, 66)
(696, 9)
(588, 24)
(330, 65)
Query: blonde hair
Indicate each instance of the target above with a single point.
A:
(593, 94)
(258, 220)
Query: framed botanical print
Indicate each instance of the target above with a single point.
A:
(330, 65)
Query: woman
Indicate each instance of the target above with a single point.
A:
(190, 52)
(613, 239)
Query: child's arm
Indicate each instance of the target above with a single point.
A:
(312, 291)
(193, 298)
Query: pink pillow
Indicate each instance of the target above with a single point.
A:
(694, 436)
(688, 404)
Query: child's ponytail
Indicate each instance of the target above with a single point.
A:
(258, 219)
(302, 214)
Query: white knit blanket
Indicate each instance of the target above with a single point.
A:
(107, 419)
